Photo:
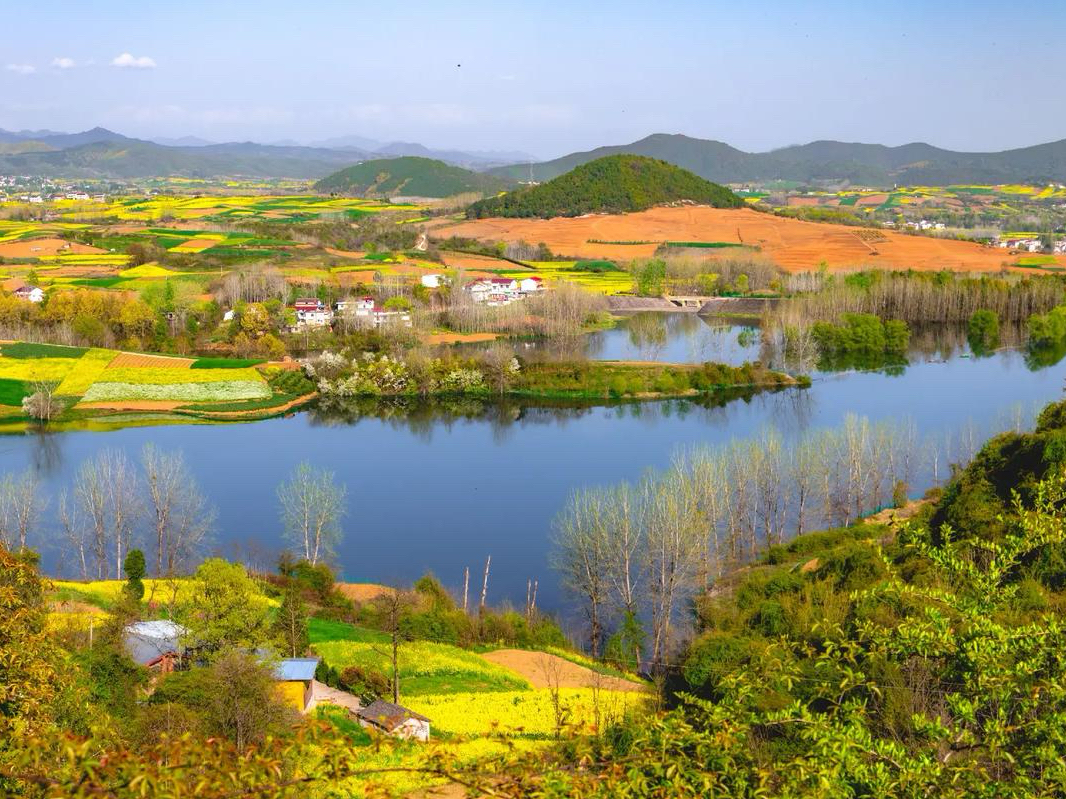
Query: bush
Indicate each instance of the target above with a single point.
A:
(983, 330)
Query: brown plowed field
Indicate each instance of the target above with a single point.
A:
(136, 359)
(362, 592)
(462, 260)
(544, 670)
(792, 244)
(459, 338)
(39, 248)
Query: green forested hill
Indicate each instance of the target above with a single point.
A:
(615, 184)
(409, 176)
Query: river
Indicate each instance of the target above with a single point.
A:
(439, 489)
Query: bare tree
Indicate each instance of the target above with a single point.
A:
(312, 505)
(580, 553)
(673, 553)
(624, 541)
(180, 516)
(21, 505)
(108, 492)
(806, 463)
(90, 496)
(124, 502)
(767, 474)
(75, 531)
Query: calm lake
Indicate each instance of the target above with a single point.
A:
(438, 489)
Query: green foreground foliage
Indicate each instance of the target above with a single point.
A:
(918, 660)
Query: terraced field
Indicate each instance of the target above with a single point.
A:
(94, 380)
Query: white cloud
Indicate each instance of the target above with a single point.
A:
(21, 69)
(63, 63)
(127, 61)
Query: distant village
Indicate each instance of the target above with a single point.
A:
(312, 312)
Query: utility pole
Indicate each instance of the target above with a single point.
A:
(466, 586)
(395, 663)
(485, 586)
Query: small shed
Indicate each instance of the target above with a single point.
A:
(296, 677)
(394, 720)
(155, 644)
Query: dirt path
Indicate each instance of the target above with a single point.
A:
(544, 670)
(130, 405)
(323, 694)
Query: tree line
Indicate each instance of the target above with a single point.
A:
(117, 504)
(638, 552)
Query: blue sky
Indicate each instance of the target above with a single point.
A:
(545, 77)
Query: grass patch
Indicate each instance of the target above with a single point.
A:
(273, 401)
(425, 667)
(289, 381)
(709, 245)
(27, 350)
(225, 363)
(13, 391)
(319, 630)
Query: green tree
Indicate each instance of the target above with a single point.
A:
(242, 702)
(983, 331)
(134, 567)
(226, 608)
(650, 277)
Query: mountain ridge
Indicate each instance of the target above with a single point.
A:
(824, 160)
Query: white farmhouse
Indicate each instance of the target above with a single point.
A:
(530, 285)
(312, 312)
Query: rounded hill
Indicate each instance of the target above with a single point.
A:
(614, 184)
(409, 176)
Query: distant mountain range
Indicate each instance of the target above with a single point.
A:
(101, 153)
(829, 161)
(410, 176)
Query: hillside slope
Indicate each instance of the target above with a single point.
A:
(866, 164)
(615, 184)
(410, 176)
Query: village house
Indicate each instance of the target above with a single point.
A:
(383, 316)
(312, 312)
(530, 285)
(156, 645)
(394, 720)
(358, 306)
(432, 281)
(24, 291)
(295, 678)
(478, 290)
